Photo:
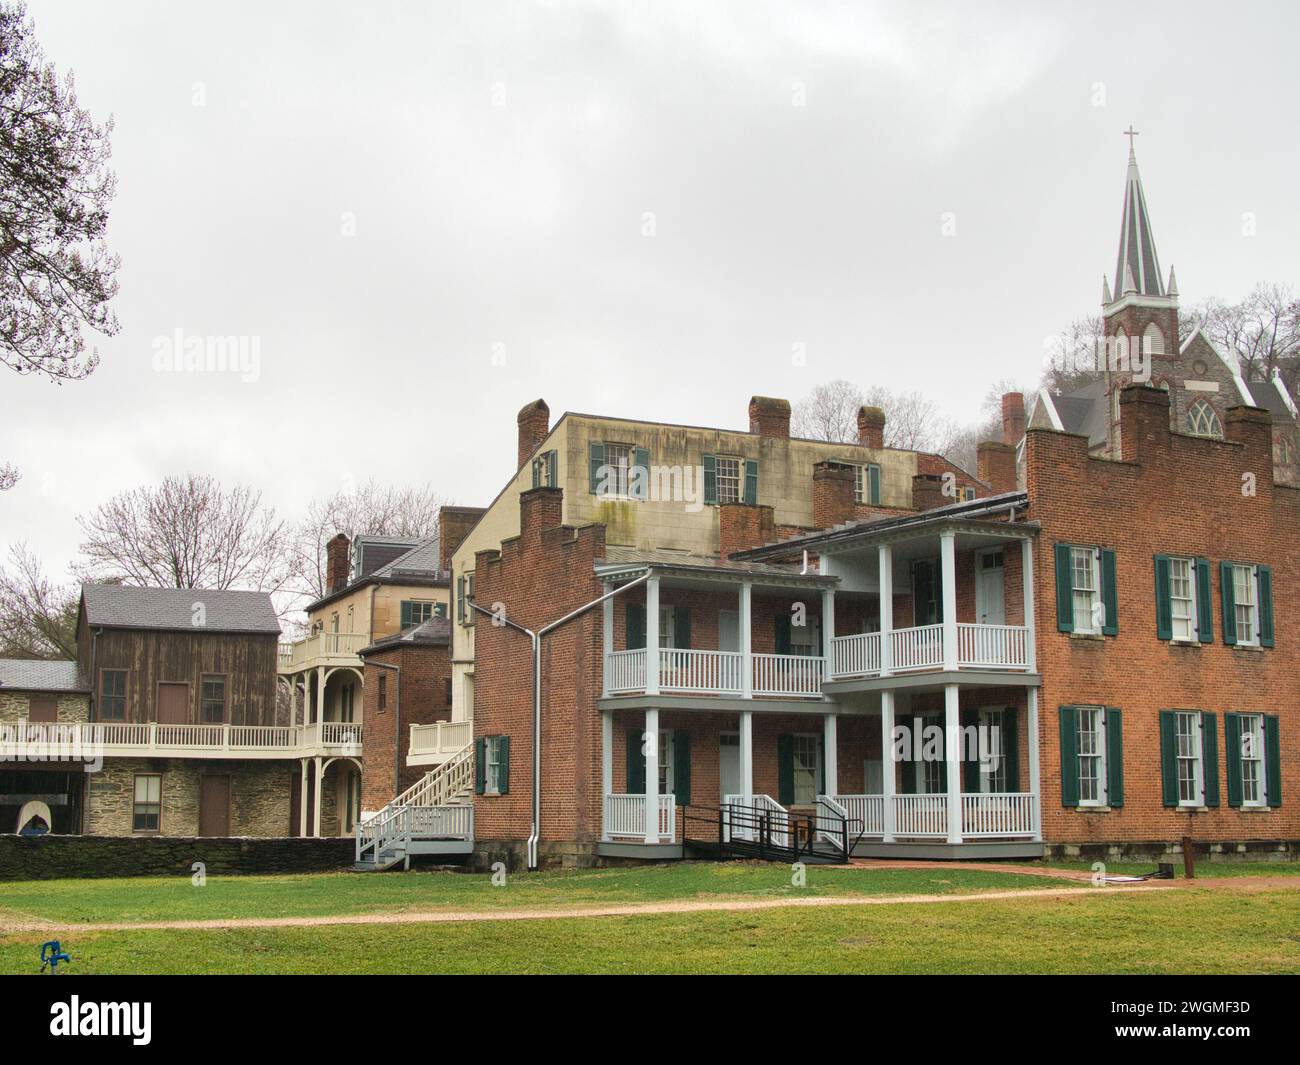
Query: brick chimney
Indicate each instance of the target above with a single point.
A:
(534, 421)
(1143, 422)
(832, 494)
(454, 524)
(927, 492)
(742, 526)
(871, 427)
(996, 465)
(1253, 428)
(540, 509)
(1013, 418)
(336, 563)
(769, 417)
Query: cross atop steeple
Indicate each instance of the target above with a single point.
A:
(1130, 133)
(1137, 269)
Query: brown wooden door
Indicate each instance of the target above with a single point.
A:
(214, 806)
(173, 704)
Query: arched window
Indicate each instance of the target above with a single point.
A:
(1153, 341)
(1202, 421)
(1286, 453)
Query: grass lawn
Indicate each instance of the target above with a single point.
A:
(1205, 870)
(175, 898)
(1093, 931)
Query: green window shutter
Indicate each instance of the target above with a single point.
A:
(504, 774)
(873, 485)
(908, 782)
(1169, 757)
(552, 475)
(1164, 608)
(751, 481)
(1232, 756)
(1229, 597)
(641, 459)
(1114, 757)
(1064, 596)
(783, 642)
(1210, 758)
(1265, 574)
(595, 460)
(635, 763)
(943, 766)
(1069, 753)
(1272, 760)
(710, 464)
(1011, 747)
(682, 767)
(970, 767)
(460, 599)
(406, 614)
(480, 765)
(1204, 602)
(682, 627)
(1109, 593)
(785, 769)
(634, 617)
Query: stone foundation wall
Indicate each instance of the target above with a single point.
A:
(1255, 850)
(15, 706)
(56, 857)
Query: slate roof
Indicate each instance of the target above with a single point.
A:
(18, 674)
(1267, 395)
(436, 632)
(421, 560)
(1137, 266)
(619, 557)
(116, 606)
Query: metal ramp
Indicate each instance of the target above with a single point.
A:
(759, 827)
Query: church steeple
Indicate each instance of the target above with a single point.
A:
(1137, 268)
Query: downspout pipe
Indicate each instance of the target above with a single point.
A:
(535, 834)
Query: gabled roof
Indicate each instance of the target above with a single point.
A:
(117, 606)
(1137, 269)
(1271, 395)
(20, 674)
(416, 566)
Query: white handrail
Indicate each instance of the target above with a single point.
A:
(788, 674)
(855, 656)
(1006, 813)
(918, 647)
(992, 646)
(867, 809)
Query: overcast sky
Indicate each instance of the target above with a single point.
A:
(639, 209)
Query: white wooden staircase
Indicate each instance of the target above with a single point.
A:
(433, 816)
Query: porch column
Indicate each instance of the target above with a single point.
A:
(650, 742)
(320, 786)
(886, 582)
(952, 758)
(608, 639)
(1031, 726)
(828, 632)
(606, 765)
(830, 741)
(746, 640)
(652, 635)
(747, 754)
(320, 694)
(948, 563)
(887, 760)
(302, 800)
(1027, 579)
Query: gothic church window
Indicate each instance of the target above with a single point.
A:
(1153, 341)
(1202, 421)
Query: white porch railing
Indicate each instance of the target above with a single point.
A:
(867, 809)
(992, 646)
(757, 806)
(441, 738)
(624, 816)
(322, 645)
(921, 815)
(338, 733)
(920, 647)
(703, 672)
(855, 656)
(625, 671)
(152, 737)
(788, 675)
(1005, 813)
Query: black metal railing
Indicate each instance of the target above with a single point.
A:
(736, 830)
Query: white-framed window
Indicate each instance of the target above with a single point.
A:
(1182, 598)
(492, 774)
(731, 474)
(1246, 606)
(666, 780)
(618, 460)
(1202, 421)
(1191, 778)
(807, 766)
(146, 811)
(994, 721)
(667, 626)
(1253, 785)
(806, 639)
(1092, 755)
(1085, 579)
(866, 484)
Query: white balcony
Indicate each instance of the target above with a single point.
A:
(922, 648)
(323, 649)
(692, 672)
(998, 815)
(439, 742)
(128, 739)
(625, 819)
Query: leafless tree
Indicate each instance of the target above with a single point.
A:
(38, 618)
(187, 532)
(829, 412)
(380, 510)
(1262, 331)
